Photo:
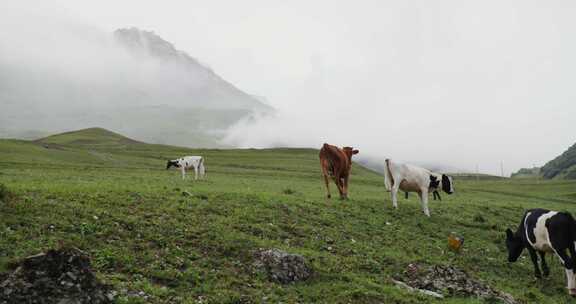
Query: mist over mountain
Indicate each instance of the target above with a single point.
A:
(130, 81)
(179, 78)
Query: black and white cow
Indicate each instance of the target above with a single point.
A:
(189, 162)
(409, 178)
(546, 231)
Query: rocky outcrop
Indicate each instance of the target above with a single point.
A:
(57, 276)
(282, 267)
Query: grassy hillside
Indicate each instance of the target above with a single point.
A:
(112, 198)
(563, 166)
(204, 127)
(89, 137)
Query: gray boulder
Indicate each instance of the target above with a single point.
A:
(282, 267)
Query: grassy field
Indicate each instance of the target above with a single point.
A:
(113, 198)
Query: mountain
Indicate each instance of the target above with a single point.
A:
(189, 81)
(563, 166)
(132, 82)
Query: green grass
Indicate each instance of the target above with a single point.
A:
(113, 199)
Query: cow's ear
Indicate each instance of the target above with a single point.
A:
(509, 234)
(355, 151)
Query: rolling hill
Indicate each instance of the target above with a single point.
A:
(89, 137)
(148, 232)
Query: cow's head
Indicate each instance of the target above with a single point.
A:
(434, 182)
(447, 184)
(514, 245)
(171, 163)
(349, 151)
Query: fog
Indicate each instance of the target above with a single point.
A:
(455, 84)
(59, 73)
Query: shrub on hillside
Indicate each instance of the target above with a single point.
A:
(5, 193)
(289, 191)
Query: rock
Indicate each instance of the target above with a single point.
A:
(450, 280)
(282, 267)
(57, 276)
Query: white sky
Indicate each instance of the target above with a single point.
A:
(462, 83)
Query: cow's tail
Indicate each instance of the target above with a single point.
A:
(388, 179)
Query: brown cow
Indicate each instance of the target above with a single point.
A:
(337, 162)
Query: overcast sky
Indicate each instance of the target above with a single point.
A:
(461, 83)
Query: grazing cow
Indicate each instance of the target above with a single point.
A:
(189, 162)
(336, 162)
(545, 231)
(409, 178)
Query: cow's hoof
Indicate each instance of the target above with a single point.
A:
(329, 196)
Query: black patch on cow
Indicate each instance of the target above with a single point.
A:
(446, 184)
(434, 182)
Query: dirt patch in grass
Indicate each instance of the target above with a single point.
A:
(57, 276)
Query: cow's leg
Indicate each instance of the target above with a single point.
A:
(436, 194)
(202, 171)
(395, 188)
(340, 185)
(195, 173)
(345, 186)
(327, 182)
(572, 290)
(183, 172)
(534, 259)
(424, 200)
(545, 269)
(569, 268)
(406, 195)
(323, 166)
